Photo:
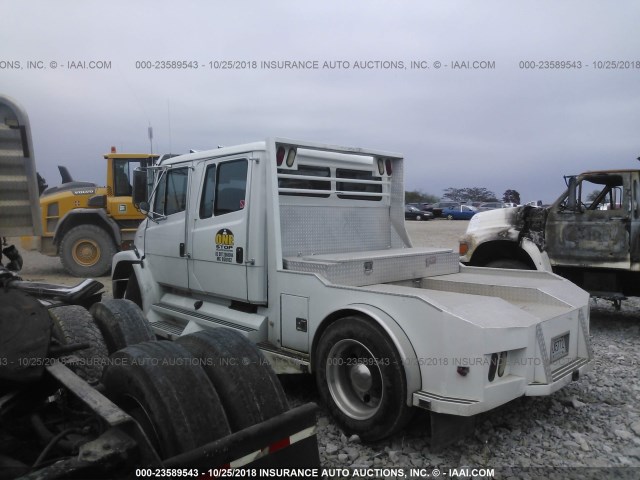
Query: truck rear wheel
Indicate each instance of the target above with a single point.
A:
(161, 385)
(121, 323)
(247, 385)
(86, 251)
(360, 377)
(74, 324)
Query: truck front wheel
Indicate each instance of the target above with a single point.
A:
(360, 377)
(508, 263)
(86, 251)
(121, 323)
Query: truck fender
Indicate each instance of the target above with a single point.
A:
(125, 264)
(397, 336)
(539, 259)
(72, 218)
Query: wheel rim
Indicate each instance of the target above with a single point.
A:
(354, 379)
(86, 252)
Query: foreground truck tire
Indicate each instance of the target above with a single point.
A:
(121, 323)
(361, 379)
(161, 385)
(73, 324)
(248, 388)
(86, 251)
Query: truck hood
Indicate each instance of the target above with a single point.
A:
(509, 224)
(498, 219)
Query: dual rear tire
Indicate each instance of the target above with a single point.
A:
(183, 394)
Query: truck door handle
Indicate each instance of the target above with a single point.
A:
(182, 249)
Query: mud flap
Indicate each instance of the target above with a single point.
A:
(447, 429)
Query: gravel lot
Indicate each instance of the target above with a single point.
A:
(594, 422)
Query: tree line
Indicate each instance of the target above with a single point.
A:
(462, 195)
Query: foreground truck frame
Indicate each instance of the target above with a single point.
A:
(302, 248)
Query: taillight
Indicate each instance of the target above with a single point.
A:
(280, 156)
(493, 366)
(381, 166)
(388, 165)
(502, 363)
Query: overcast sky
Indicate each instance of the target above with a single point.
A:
(502, 127)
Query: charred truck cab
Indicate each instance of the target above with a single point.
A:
(590, 235)
(302, 248)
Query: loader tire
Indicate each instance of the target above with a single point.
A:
(86, 251)
(164, 389)
(74, 324)
(121, 323)
(247, 385)
(361, 379)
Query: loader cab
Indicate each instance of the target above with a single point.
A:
(120, 168)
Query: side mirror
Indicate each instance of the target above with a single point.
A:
(144, 207)
(139, 194)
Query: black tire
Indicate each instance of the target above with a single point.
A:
(162, 386)
(121, 323)
(86, 251)
(249, 389)
(366, 396)
(418, 218)
(508, 263)
(132, 292)
(74, 324)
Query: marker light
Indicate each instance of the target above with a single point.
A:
(381, 166)
(388, 165)
(291, 156)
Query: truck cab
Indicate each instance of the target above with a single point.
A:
(302, 248)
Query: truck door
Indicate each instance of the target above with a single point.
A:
(165, 235)
(219, 234)
(590, 224)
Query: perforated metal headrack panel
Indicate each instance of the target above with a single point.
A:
(19, 199)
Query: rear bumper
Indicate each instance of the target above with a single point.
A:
(499, 394)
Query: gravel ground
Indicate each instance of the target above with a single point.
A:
(594, 422)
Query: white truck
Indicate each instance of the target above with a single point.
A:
(302, 248)
(153, 408)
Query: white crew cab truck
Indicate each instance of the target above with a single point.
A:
(302, 248)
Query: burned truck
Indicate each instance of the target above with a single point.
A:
(589, 235)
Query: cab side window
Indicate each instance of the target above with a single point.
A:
(206, 202)
(231, 187)
(171, 195)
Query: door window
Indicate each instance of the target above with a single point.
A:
(231, 186)
(171, 195)
(206, 202)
